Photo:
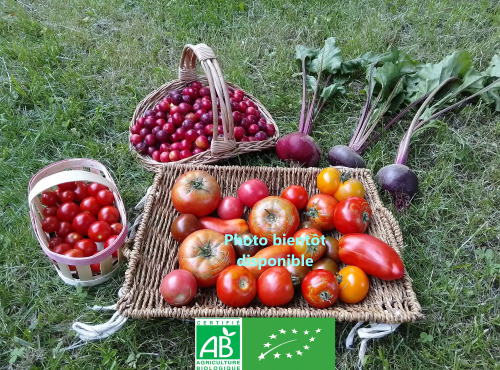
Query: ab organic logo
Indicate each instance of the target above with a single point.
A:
(265, 343)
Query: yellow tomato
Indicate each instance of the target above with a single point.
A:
(354, 285)
(350, 188)
(328, 181)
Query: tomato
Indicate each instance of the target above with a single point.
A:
(67, 196)
(308, 243)
(67, 211)
(81, 191)
(116, 228)
(99, 231)
(328, 180)
(275, 287)
(55, 241)
(275, 252)
(326, 264)
(371, 255)
(251, 191)
(183, 226)
(297, 195)
(273, 216)
(105, 197)
(49, 198)
(95, 188)
(74, 253)
(58, 192)
(66, 186)
(320, 209)
(108, 243)
(82, 222)
(178, 288)
(73, 237)
(245, 246)
(87, 246)
(96, 267)
(236, 286)
(354, 285)
(236, 226)
(50, 211)
(308, 224)
(64, 229)
(50, 224)
(61, 248)
(320, 288)
(90, 205)
(352, 215)
(298, 273)
(109, 214)
(196, 192)
(350, 188)
(230, 208)
(205, 254)
(332, 249)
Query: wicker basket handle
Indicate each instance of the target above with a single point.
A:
(218, 87)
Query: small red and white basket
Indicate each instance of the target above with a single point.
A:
(80, 170)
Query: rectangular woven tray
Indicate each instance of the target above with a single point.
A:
(154, 254)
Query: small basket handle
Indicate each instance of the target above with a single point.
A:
(218, 87)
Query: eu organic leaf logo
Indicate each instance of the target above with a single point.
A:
(226, 333)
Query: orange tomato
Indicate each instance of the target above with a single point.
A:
(328, 180)
(349, 187)
(320, 209)
(306, 247)
(354, 285)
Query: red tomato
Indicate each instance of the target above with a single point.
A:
(196, 192)
(67, 211)
(74, 253)
(50, 211)
(308, 244)
(49, 198)
(95, 188)
(108, 243)
(235, 226)
(371, 255)
(352, 215)
(275, 286)
(90, 205)
(55, 241)
(96, 267)
(50, 224)
(105, 197)
(236, 286)
(64, 229)
(58, 192)
(87, 246)
(320, 210)
(320, 288)
(230, 208)
(67, 196)
(251, 191)
(178, 288)
(109, 214)
(116, 228)
(99, 231)
(66, 186)
(73, 237)
(82, 222)
(183, 226)
(81, 191)
(61, 248)
(297, 195)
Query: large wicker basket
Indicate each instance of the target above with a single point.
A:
(221, 147)
(154, 254)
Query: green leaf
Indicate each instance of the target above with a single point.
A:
(15, 354)
(311, 82)
(304, 52)
(494, 67)
(387, 76)
(329, 58)
(332, 89)
(354, 65)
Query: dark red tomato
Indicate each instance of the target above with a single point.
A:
(67, 196)
(88, 247)
(275, 286)
(184, 225)
(74, 253)
(178, 288)
(58, 192)
(50, 211)
(90, 205)
(297, 195)
(371, 255)
(81, 191)
(66, 186)
(64, 229)
(67, 211)
(320, 288)
(50, 224)
(95, 188)
(105, 197)
(99, 231)
(73, 237)
(230, 208)
(55, 241)
(108, 243)
(251, 191)
(109, 214)
(236, 286)
(61, 248)
(49, 198)
(116, 228)
(352, 215)
(82, 222)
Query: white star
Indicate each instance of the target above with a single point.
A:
(267, 345)
(299, 353)
(272, 336)
(261, 357)
(276, 355)
(312, 339)
(288, 355)
(306, 332)
(294, 331)
(306, 347)
(282, 331)
(318, 330)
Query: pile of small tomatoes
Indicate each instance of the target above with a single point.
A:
(206, 259)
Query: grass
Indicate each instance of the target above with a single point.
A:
(71, 74)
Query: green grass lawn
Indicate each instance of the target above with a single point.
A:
(71, 74)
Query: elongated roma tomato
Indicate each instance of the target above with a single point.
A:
(275, 251)
(236, 226)
(371, 255)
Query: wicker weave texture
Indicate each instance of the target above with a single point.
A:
(154, 254)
